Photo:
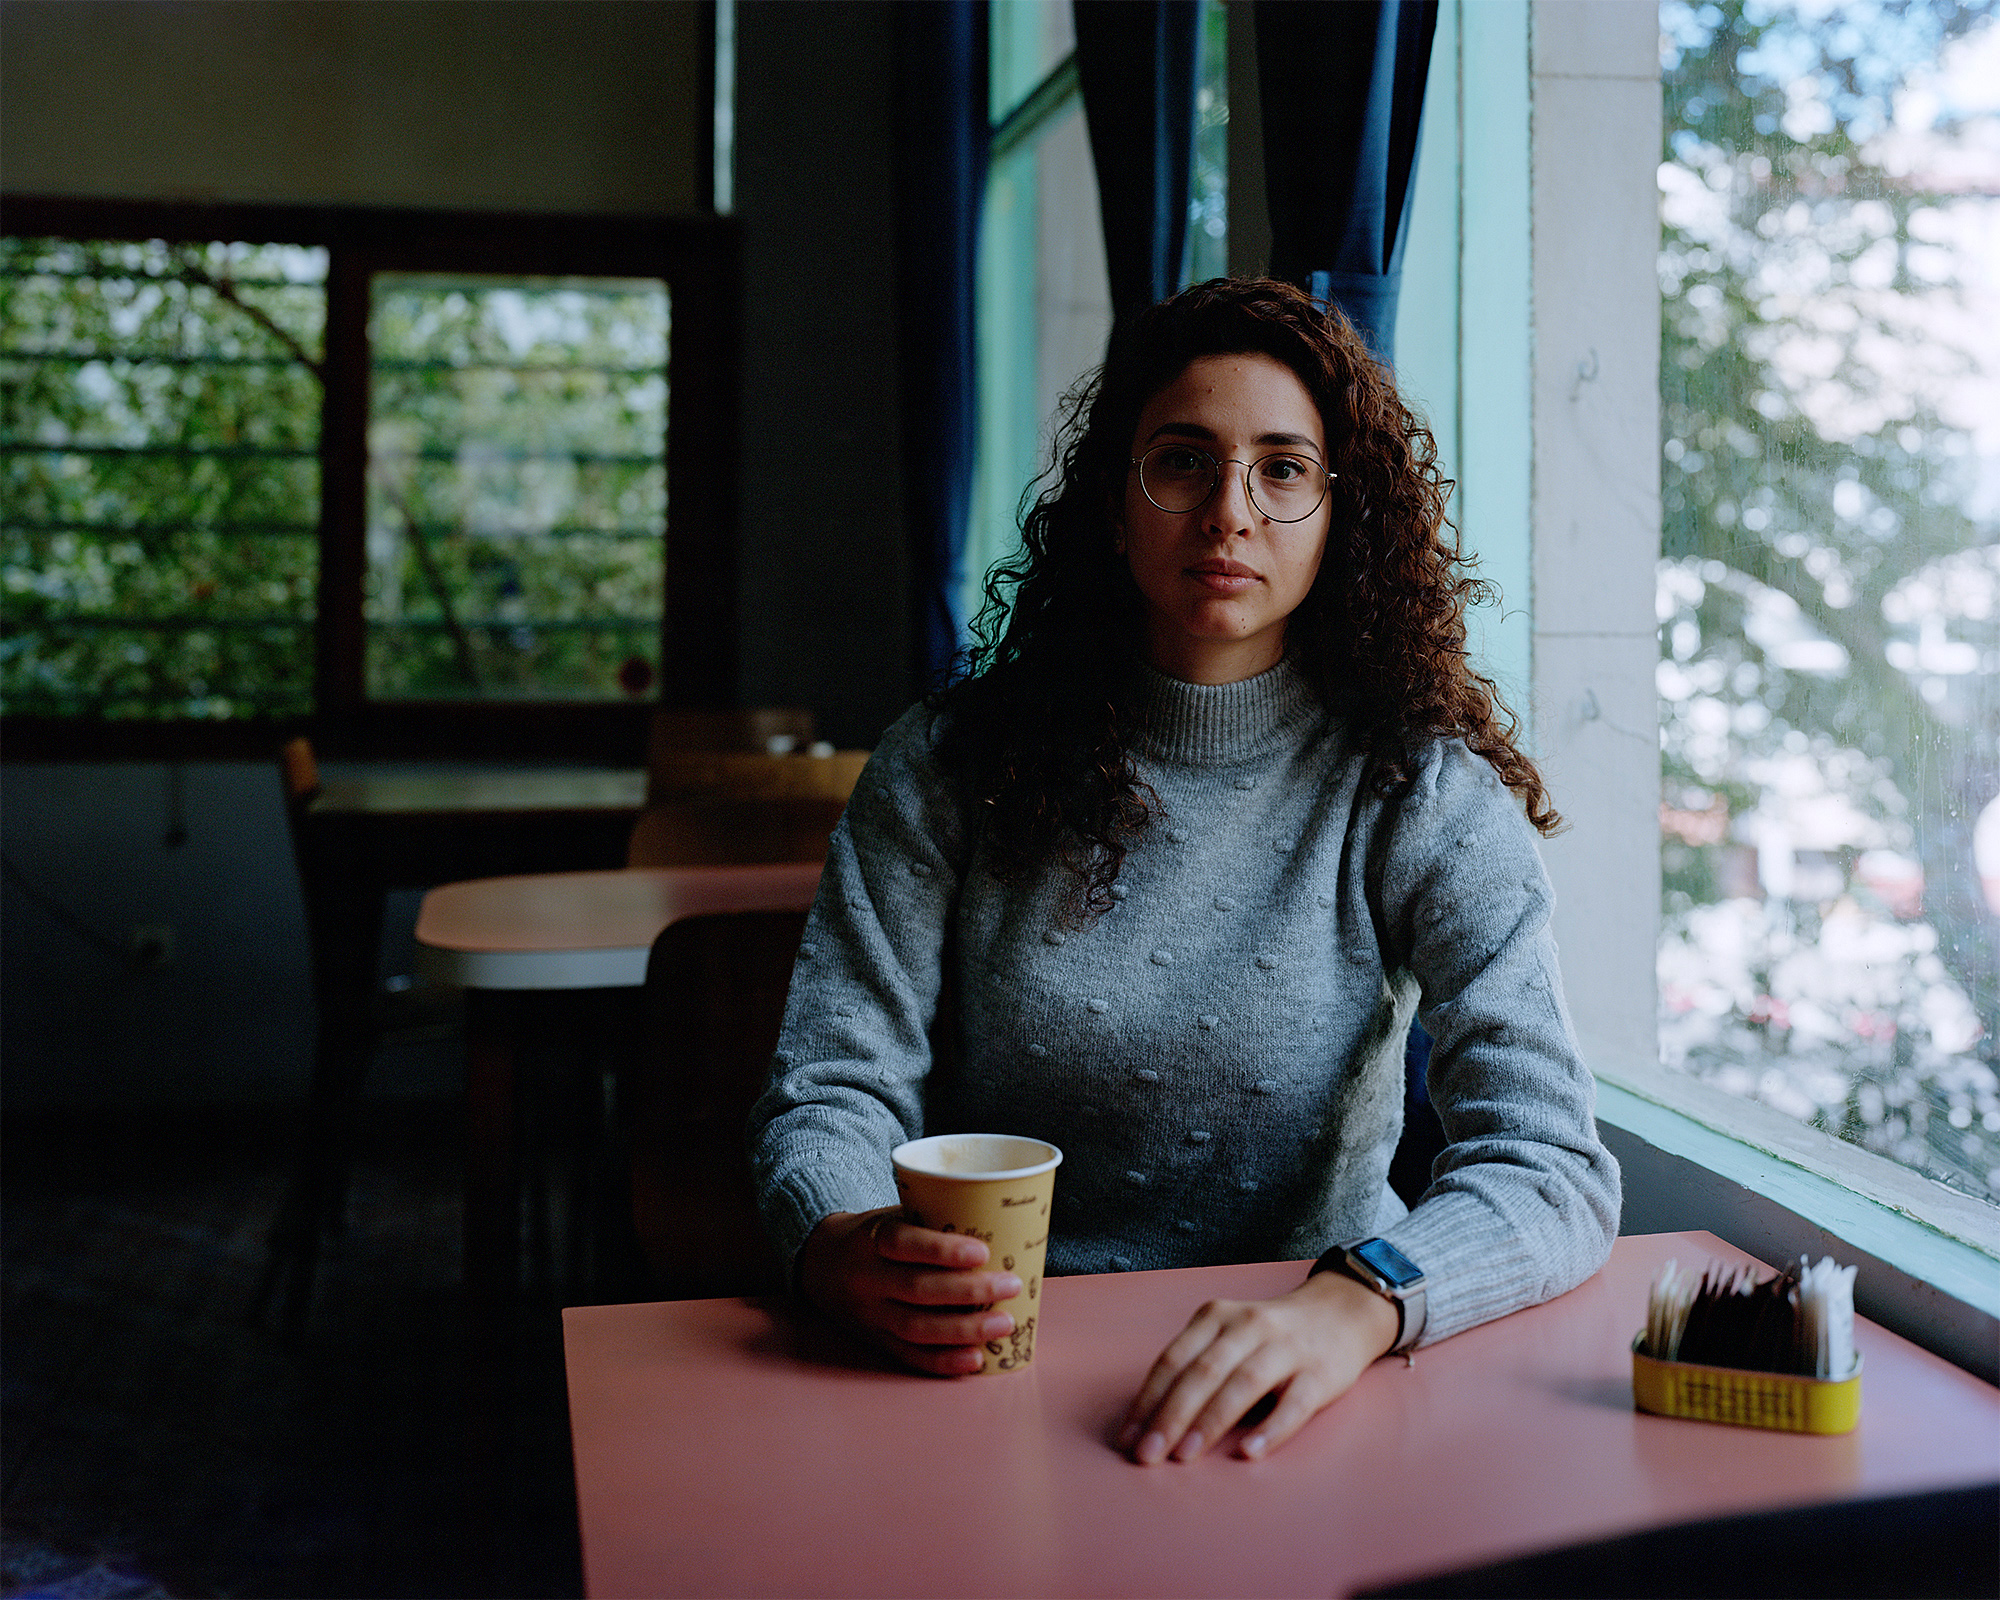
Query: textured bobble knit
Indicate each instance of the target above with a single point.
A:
(1220, 1054)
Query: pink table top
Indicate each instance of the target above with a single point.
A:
(585, 930)
(723, 1448)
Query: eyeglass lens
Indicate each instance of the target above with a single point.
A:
(1283, 487)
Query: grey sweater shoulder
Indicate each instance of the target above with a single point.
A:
(1220, 1055)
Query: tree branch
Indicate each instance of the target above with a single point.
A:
(461, 641)
(1967, 946)
(225, 289)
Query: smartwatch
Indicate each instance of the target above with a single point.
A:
(1391, 1274)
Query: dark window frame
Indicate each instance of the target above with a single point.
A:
(697, 257)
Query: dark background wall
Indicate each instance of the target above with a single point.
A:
(471, 103)
(824, 607)
(541, 105)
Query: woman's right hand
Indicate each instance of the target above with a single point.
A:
(917, 1293)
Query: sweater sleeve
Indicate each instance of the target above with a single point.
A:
(847, 1080)
(1524, 1201)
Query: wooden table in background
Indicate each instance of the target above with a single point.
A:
(362, 836)
(722, 1448)
(366, 835)
(498, 938)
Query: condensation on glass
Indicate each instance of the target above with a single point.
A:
(159, 441)
(517, 487)
(1829, 593)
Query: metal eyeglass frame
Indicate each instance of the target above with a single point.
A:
(1215, 480)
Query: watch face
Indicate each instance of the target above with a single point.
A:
(1396, 1269)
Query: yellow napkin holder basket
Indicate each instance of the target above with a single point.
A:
(1784, 1401)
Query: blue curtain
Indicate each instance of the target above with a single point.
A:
(1136, 60)
(1342, 88)
(940, 181)
(1342, 93)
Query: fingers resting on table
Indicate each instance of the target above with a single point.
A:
(1305, 1348)
(921, 1295)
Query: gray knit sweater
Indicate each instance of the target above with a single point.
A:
(1220, 1055)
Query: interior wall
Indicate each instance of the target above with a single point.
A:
(200, 853)
(483, 104)
(1595, 401)
(1464, 327)
(825, 610)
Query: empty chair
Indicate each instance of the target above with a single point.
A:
(714, 1000)
(721, 808)
(340, 1041)
(354, 1018)
(720, 831)
(679, 775)
(760, 730)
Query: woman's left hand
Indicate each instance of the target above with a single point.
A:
(1307, 1347)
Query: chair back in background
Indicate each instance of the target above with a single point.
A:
(763, 730)
(714, 1001)
(720, 808)
(298, 778)
(298, 771)
(746, 774)
(719, 831)
(354, 1017)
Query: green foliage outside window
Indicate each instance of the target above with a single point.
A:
(160, 411)
(517, 487)
(159, 430)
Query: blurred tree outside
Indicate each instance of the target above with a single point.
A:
(159, 437)
(159, 431)
(1829, 590)
(517, 486)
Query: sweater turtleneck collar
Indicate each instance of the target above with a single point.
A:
(1214, 724)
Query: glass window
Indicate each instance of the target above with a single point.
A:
(159, 434)
(1208, 205)
(401, 473)
(1829, 593)
(517, 486)
(1027, 41)
(1044, 297)
(1044, 301)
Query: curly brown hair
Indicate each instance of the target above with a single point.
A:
(1038, 729)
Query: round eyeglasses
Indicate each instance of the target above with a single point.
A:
(1283, 486)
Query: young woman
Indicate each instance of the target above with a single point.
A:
(1220, 807)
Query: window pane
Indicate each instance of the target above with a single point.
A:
(1025, 41)
(159, 436)
(517, 487)
(1829, 597)
(1044, 313)
(1208, 205)
(1072, 284)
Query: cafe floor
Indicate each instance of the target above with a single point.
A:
(155, 1441)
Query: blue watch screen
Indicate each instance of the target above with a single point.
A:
(1397, 1268)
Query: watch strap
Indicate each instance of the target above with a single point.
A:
(1415, 1313)
(1411, 1310)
